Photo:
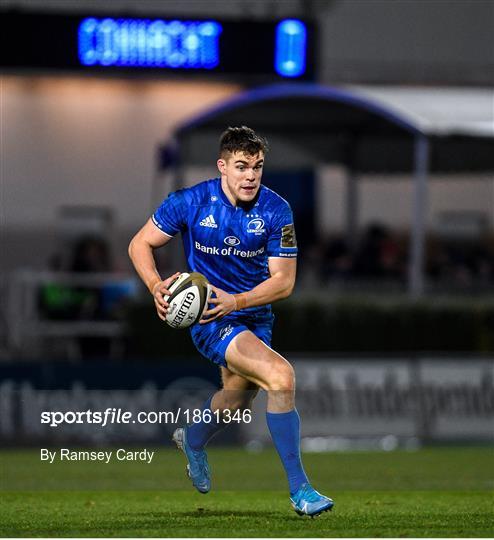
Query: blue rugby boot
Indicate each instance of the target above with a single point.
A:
(197, 466)
(307, 501)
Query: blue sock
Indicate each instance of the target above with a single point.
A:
(285, 432)
(198, 434)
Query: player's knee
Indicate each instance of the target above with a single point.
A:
(246, 401)
(241, 400)
(282, 378)
(237, 406)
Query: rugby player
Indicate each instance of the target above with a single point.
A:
(241, 236)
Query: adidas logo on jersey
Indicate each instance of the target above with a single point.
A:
(209, 222)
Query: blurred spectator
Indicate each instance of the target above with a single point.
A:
(381, 255)
(378, 254)
(91, 254)
(460, 263)
(338, 262)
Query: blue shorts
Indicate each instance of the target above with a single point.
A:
(212, 339)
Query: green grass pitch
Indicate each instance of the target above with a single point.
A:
(428, 493)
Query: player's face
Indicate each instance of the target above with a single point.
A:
(241, 176)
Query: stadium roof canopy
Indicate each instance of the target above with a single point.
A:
(367, 129)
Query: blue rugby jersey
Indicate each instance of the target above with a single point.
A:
(229, 245)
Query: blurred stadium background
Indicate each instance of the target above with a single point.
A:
(382, 139)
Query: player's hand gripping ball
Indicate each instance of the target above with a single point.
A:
(190, 294)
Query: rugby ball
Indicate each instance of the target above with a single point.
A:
(188, 300)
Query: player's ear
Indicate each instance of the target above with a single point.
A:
(221, 163)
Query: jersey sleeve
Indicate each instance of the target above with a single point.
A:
(171, 216)
(282, 241)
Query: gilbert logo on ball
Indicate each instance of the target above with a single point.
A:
(188, 300)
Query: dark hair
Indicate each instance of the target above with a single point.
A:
(242, 139)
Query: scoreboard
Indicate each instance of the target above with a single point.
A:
(158, 46)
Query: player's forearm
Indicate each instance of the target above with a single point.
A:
(274, 288)
(141, 255)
